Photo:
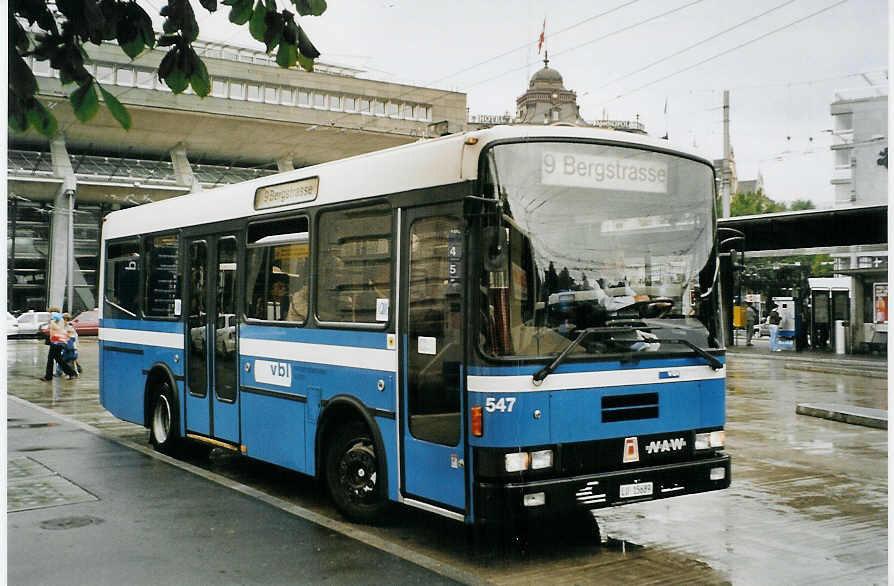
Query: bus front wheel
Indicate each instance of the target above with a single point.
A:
(163, 422)
(352, 474)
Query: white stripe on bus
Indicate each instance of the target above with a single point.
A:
(589, 380)
(350, 356)
(142, 337)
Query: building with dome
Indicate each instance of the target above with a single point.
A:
(547, 101)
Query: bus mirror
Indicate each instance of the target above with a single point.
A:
(494, 249)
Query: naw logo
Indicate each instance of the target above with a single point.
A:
(671, 445)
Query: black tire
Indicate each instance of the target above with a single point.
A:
(164, 425)
(352, 475)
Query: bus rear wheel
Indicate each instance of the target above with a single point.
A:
(352, 475)
(163, 424)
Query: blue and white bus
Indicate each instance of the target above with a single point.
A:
(385, 323)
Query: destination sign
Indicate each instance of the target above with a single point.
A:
(623, 174)
(287, 193)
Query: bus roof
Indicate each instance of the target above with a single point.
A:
(425, 163)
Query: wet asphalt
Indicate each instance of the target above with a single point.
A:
(808, 503)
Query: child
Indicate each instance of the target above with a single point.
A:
(70, 353)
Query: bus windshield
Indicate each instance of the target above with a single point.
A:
(597, 237)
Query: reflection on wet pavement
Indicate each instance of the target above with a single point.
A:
(808, 501)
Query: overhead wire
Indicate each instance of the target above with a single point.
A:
(697, 44)
(727, 51)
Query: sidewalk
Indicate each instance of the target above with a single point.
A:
(873, 365)
(83, 509)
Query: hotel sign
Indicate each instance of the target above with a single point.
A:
(285, 194)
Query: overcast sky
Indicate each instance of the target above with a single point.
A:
(616, 53)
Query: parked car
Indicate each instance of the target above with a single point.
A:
(85, 323)
(12, 325)
(29, 323)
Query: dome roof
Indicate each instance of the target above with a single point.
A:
(546, 74)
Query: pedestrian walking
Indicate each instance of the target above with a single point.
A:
(750, 320)
(58, 338)
(774, 320)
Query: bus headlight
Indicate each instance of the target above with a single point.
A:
(517, 461)
(541, 459)
(711, 439)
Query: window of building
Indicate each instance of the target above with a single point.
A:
(406, 111)
(287, 96)
(335, 103)
(145, 78)
(122, 280)
(364, 105)
(237, 90)
(391, 109)
(105, 74)
(219, 88)
(124, 76)
(303, 98)
(162, 276)
(378, 107)
(253, 92)
(319, 100)
(350, 104)
(276, 279)
(271, 95)
(354, 265)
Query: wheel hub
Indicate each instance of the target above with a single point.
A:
(357, 472)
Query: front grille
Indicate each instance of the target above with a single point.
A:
(629, 407)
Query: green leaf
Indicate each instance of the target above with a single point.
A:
(287, 55)
(39, 117)
(130, 38)
(23, 80)
(273, 34)
(85, 102)
(199, 79)
(317, 7)
(18, 120)
(209, 5)
(306, 63)
(241, 12)
(257, 26)
(177, 76)
(303, 7)
(189, 28)
(117, 109)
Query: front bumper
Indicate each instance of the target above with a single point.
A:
(498, 503)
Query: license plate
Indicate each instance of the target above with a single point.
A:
(633, 490)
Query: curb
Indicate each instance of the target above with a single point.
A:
(867, 417)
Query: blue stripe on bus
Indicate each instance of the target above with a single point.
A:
(352, 338)
(571, 367)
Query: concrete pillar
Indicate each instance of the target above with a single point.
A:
(60, 223)
(284, 164)
(182, 169)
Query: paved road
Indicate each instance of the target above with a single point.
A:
(808, 503)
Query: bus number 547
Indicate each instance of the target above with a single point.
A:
(503, 404)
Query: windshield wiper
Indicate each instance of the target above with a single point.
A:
(552, 366)
(712, 360)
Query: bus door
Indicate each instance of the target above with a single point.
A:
(212, 401)
(432, 438)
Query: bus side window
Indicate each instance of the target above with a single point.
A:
(122, 280)
(277, 270)
(354, 265)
